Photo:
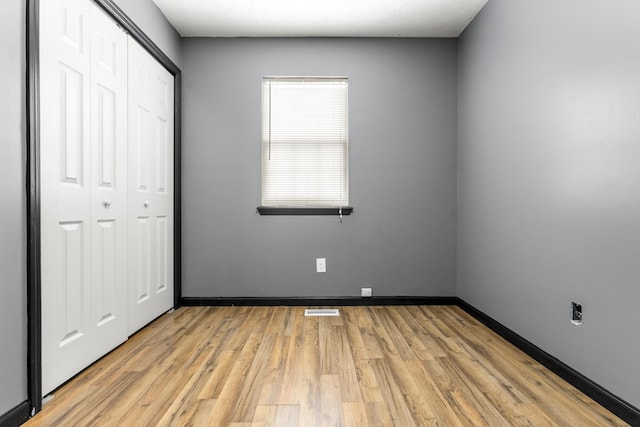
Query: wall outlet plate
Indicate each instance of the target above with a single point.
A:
(321, 265)
(576, 313)
(365, 292)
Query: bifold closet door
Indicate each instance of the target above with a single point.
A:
(151, 122)
(83, 165)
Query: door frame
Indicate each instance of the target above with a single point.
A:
(34, 295)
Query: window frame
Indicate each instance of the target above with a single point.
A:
(294, 209)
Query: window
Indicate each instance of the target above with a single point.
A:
(305, 143)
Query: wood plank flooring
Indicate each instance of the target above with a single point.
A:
(271, 366)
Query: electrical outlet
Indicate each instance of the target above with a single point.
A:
(321, 265)
(365, 292)
(576, 313)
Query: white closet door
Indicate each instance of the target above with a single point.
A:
(109, 178)
(83, 166)
(150, 188)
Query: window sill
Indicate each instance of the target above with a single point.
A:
(266, 210)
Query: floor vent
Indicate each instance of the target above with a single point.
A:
(321, 312)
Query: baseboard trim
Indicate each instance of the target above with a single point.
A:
(16, 416)
(608, 400)
(318, 301)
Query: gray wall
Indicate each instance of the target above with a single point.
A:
(150, 19)
(400, 239)
(549, 178)
(13, 317)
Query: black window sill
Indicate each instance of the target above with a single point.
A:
(265, 210)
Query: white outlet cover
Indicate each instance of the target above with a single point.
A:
(321, 265)
(365, 292)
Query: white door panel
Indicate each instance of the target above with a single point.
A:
(65, 202)
(109, 180)
(83, 243)
(150, 188)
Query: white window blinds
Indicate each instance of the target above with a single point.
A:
(305, 142)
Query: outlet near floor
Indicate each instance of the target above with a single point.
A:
(576, 313)
(365, 292)
(321, 265)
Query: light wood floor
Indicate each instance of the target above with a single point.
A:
(271, 366)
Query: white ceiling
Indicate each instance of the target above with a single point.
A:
(320, 18)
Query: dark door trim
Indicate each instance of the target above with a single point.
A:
(34, 300)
